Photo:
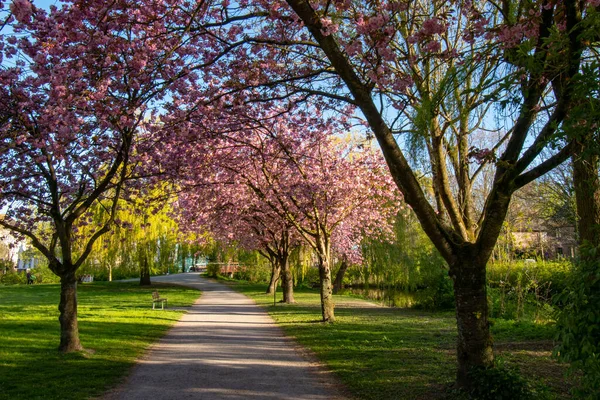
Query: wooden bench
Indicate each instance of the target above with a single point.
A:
(157, 299)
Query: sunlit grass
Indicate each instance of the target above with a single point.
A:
(384, 353)
(116, 324)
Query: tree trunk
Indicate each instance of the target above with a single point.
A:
(110, 273)
(275, 271)
(287, 280)
(69, 330)
(474, 343)
(145, 273)
(327, 305)
(587, 194)
(339, 277)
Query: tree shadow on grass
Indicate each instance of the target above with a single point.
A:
(33, 368)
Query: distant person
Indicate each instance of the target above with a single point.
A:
(29, 278)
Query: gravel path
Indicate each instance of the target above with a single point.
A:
(225, 347)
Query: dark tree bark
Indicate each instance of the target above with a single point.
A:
(339, 277)
(287, 281)
(275, 271)
(474, 343)
(587, 195)
(69, 330)
(278, 254)
(145, 273)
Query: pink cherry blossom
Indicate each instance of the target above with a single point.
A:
(22, 10)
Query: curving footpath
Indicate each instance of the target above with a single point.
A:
(225, 347)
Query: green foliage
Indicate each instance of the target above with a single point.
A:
(519, 306)
(44, 275)
(13, 278)
(213, 270)
(524, 290)
(301, 264)
(553, 274)
(408, 261)
(144, 235)
(403, 271)
(259, 272)
(500, 383)
(41, 272)
(578, 323)
(311, 279)
(438, 296)
(255, 268)
(6, 265)
(583, 124)
(509, 329)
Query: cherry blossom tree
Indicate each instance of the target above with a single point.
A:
(232, 213)
(77, 84)
(321, 186)
(425, 76)
(340, 192)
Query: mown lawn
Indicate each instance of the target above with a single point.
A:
(116, 324)
(384, 353)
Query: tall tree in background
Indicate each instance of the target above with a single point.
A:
(586, 158)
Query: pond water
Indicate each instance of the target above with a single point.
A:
(390, 297)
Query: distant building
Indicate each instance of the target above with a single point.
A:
(543, 239)
(26, 258)
(17, 252)
(9, 247)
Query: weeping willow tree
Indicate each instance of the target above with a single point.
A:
(189, 249)
(144, 240)
(406, 261)
(302, 259)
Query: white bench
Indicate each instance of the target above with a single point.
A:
(157, 299)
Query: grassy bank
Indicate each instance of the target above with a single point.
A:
(116, 324)
(384, 353)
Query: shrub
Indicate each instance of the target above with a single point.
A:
(510, 275)
(500, 383)
(438, 296)
(44, 275)
(520, 289)
(311, 279)
(13, 278)
(578, 324)
(256, 273)
(213, 269)
(6, 265)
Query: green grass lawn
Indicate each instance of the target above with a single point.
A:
(116, 324)
(384, 353)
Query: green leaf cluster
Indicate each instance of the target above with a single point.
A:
(578, 323)
(501, 383)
